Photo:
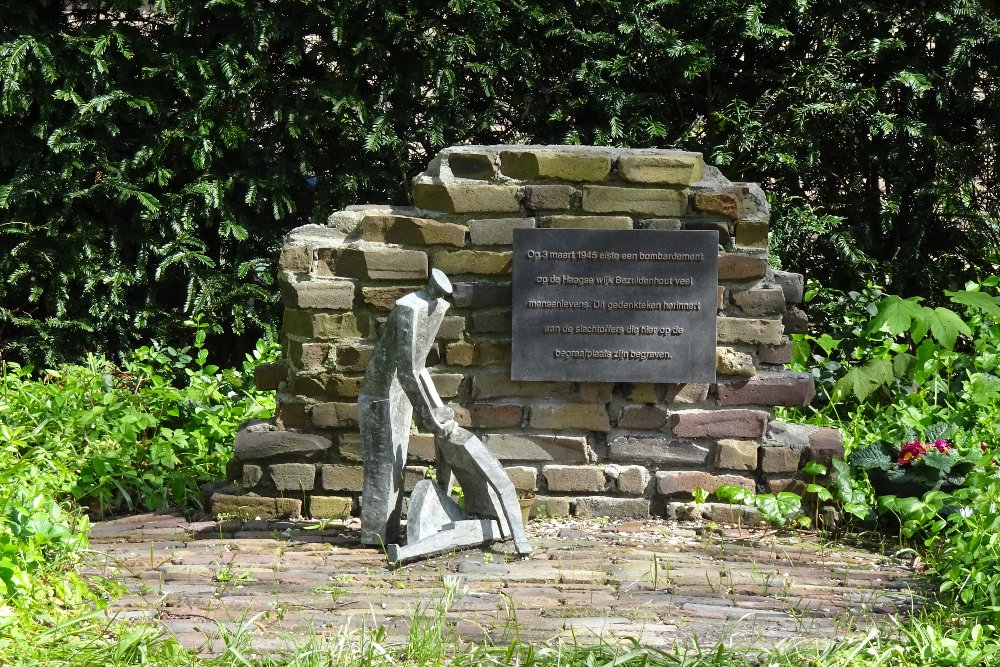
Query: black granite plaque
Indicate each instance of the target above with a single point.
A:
(614, 306)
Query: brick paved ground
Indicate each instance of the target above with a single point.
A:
(656, 581)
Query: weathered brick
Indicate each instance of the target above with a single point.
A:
(329, 293)
(669, 224)
(720, 302)
(548, 506)
(662, 169)
(792, 284)
(330, 507)
(555, 164)
(757, 302)
(789, 484)
(293, 476)
(344, 386)
(466, 198)
(596, 392)
(491, 321)
(313, 355)
(472, 165)
(518, 447)
(616, 509)
(788, 389)
(268, 377)
(483, 262)
(656, 451)
(405, 230)
(477, 353)
(481, 295)
(776, 354)
(296, 258)
(733, 362)
(497, 231)
(725, 202)
(384, 298)
(609, 199)
(524, 478)
(447, 384)
(685, 394)
(587, 221)
(292, 415)
(308, 385)
(452, 327)
(421, 447)
(779, 459)
(547, 197)
(251, 506)
(752, 234)
(251, 475)
(585, 416)
(825, 444)
(412, 475)
(795, 321)
(380, 264)
(349, 447)
(491, 415)
(632, 480)
(722, 228)
(335, 415)
(738, 267)
(645, 417)
(501, 386)
(339, 477)
(353, 357)
(296, 323)
(334, 326)
(675, 482)
(735, 454)
(748, 331)
(574, 479)
(719, 423)
(643, 393)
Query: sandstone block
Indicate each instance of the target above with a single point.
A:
(353, 357)
(548, 506)
(491, 415)
(251, 475)
(501, 386)
(656, 451)
(293, 476)
(518, 447)
(477, 353)
(452, 328)
(587, 221)
(792, 284)
(675, 482)
(313, 356)
(574, 479)
(497, 231)
(330, 507)
(632, 480)
(752, 234)
(555, 164)
(585, 416)
(644, 417)
(328, 293)
(787, 388)
(291, 414)
(334, 326)
(335, 415)
(724, 203)
(267, 377)
(686, 394)
(547, 197)
(776, 354)
(737, 267)
(616, 509)
(339, 477)
(349, 447)
(421, 447)
(481, 295)
(762, 301)
(251, 506)
(610, 199)
(447, 384)
(380, 264)
(733, 362)
(644, 393)
(779, 459)
(719, 423)
(253, 446)
(749, 331)
(405, 230)
(476, 165)
(596, 392)
(296, 258)
(384, 298)
(524, 478)
(466, 198)
(661, 169)
(483, 262)
(736, 454)
(491, 321)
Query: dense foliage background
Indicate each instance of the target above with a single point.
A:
(153, 155)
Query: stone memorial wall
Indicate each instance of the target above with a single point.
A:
(614, 448)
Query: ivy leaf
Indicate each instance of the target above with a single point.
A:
(895, 315)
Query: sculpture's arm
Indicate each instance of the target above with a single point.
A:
(416, 380)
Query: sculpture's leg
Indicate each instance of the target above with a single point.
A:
(459, 535)
(384, 426)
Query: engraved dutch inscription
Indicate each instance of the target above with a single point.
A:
(614, 306)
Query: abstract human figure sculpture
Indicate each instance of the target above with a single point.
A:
(396, 380)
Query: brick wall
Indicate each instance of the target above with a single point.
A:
(615, 449)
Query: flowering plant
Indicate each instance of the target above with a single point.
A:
(939, 460)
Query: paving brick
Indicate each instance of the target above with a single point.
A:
(663, 169)
(483, 262)
(574, 479)
(656, 451)
(644, 417)
(616, 509)
(268, 377)
(254, 446)
(674, 482)
(497, 231)
(760, 301)
(380, 264)
(339, 477)
(736, 454)
(788, 388)
(524, 478)
(329, 293)
(477, 353)
(739, 267)
(749, 331)
(330, 507)
(335, 415)
(555, 164)
(632, 480)
(719, 423)
(466, 198)
(609, 199)
(293, 476)
(547, 197)
(733, 362)
(250, 506)
(779, 459)
(585, 416)
(522, 447)
(587, 221)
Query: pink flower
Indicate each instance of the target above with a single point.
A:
(911, 451)
(942, 446)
